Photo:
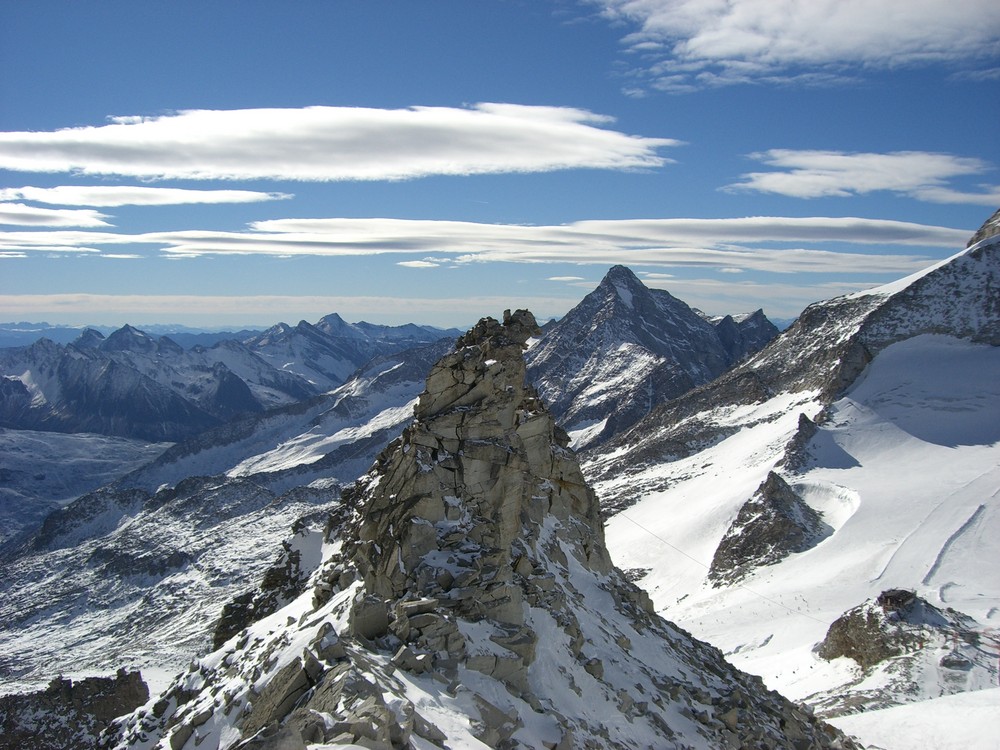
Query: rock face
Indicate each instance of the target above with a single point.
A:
(482, 461)
(68, 714)
(771, 525)
(626, 349)
(468, 600)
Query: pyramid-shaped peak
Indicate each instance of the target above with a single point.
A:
(621, 273)
(621, 276)
(334, 325)
(128, 338)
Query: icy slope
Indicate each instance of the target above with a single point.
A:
(969, 721)
(905, 471)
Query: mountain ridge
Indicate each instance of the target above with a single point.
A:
(473, 538)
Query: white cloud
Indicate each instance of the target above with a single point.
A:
(702, 243)
(33, 216)
(918, 174)
(418, 264)
(565, 278)
(688, 44)
(131, 195)
(336, 143)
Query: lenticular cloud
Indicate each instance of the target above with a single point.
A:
(335, 143)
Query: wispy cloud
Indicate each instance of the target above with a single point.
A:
(918, 174)
(132, 195)
(418, 264)
(682, 45)
(336, 143)
(19, 214)
(775, 244)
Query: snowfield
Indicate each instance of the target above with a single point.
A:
(905, 468)
(967, 721)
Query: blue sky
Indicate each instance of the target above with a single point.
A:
(224, 164)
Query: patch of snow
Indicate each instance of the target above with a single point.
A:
(582, 433)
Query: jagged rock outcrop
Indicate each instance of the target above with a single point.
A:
(771, 525)
(468, 601)
(68, 714)
(626, 349)
(909, 643)
(990, 228)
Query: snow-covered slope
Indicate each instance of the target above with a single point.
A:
(881, 412)
(47, 386)
(41, 471)
(332, 437)
(626, 348)
(127, 578)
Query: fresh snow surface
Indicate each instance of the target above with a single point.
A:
(41, 471)
(317, 442)
(907, 472)
(583, 432)
(967, 721)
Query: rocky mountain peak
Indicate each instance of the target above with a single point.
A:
(89, 338)
(462, 496)
(626, 348)
(334, 325)
(990, 228)
(128, 339)
(621, 278)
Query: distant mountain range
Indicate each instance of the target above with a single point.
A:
(26, 334)
(132, 384)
